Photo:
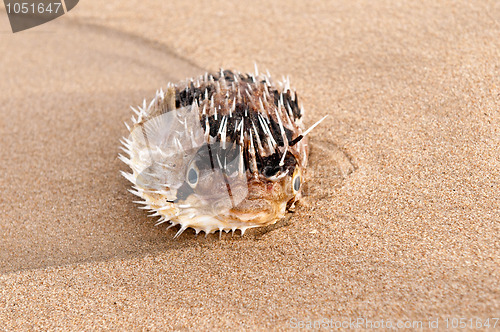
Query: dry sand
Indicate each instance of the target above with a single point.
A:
(401, 218)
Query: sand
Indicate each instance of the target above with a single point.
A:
(402, 208)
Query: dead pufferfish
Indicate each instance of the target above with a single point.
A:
(221, 152)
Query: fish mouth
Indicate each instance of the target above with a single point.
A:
(247, 214)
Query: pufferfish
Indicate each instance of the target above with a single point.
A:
(221, 152)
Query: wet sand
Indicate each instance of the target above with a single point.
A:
(401, 215)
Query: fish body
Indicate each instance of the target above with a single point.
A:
(220, 152)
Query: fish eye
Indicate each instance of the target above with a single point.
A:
(296, 181)
(192, 175)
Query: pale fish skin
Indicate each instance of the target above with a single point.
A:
(220, 152)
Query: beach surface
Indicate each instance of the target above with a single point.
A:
(401, 216)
